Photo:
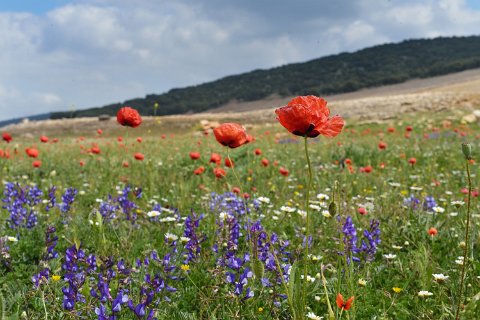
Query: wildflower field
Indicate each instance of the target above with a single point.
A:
(324, 221)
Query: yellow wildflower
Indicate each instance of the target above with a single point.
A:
(397, 289)
(185, 267)
(55, 278)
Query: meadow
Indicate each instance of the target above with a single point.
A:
(131, 223)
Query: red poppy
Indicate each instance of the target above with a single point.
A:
(362, 211)
(199, 170)
(32, 152)
(236, 190)
(344, 305)
(231, 135)
(258, 152)
(163, 136)
(55, 140)
(125, 164)
(432, 231)
(366, 169)
(129, 117)
(139, 139)
(81, 163)
(229, 163)
(308, 116)
(246, 195)
(284, 172)
(382, 145)
(194, 155)
(44, 139)
(409, 128)
(391, 129)
(6, 137)
(36, 163)
(95, 150)
(99, 131)
(119, 139)
(412, 161)
(139, 156)
(219, 172)
(348, 161)
(265, 162)
(215, 158)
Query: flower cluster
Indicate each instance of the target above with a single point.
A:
(20, 203)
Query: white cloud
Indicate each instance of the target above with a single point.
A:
(105, 51)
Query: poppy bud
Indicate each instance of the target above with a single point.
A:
(332, 208)
(467, 150)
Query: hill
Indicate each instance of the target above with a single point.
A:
(344, 72)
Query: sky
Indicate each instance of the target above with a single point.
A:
(64, 55)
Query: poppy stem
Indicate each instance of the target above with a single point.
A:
(307, 229)
(465, 250)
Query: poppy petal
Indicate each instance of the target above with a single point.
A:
(332, 127)
(339, 300)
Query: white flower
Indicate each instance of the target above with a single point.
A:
(397, 247)
(315, 207)
(424, 293)
(416, 188)
(438, 209)
(264, 200)
(223, 216)
(460, 260)
(389, 256)
(313, 316)
(302, 213)
(362, 282)
(287, 209)
(184, 239)
(326, 214)
(457, 203)
(12, 239)
(168, 219)
(394, 184)
(453, 214)
(439, 277)
(171, 237)
(322, 197)
(153, 213)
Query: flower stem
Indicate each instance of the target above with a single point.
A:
(307, 229)
(465, 251)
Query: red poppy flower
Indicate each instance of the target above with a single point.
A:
(139, 156)
(32, 152)
(55, 140)
(81, 163)
(409, 128)
(36, 163)
(229, 163)
(119, 139)
(412, 161)
(391, 129)
(44, 139)
(231, 135)
(125, 164)
(246, 195)
(99, 131)
(139, 139)
(194, 155)
(236, 190)
(95, 150)
(219, 172)
(284, 172)
(308, 116)
(129, 117)
(344, 305)
(382, 145)
(258, 152)
(362, 211)
(199, 170)
(215, 158)
(432, 231)
(265, 162)
(366, 169)
(348, 161)
(6, 137)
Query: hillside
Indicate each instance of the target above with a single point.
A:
(345, 72)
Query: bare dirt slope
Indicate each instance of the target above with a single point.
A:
(459, 91)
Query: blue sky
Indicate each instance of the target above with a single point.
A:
(58, 55)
